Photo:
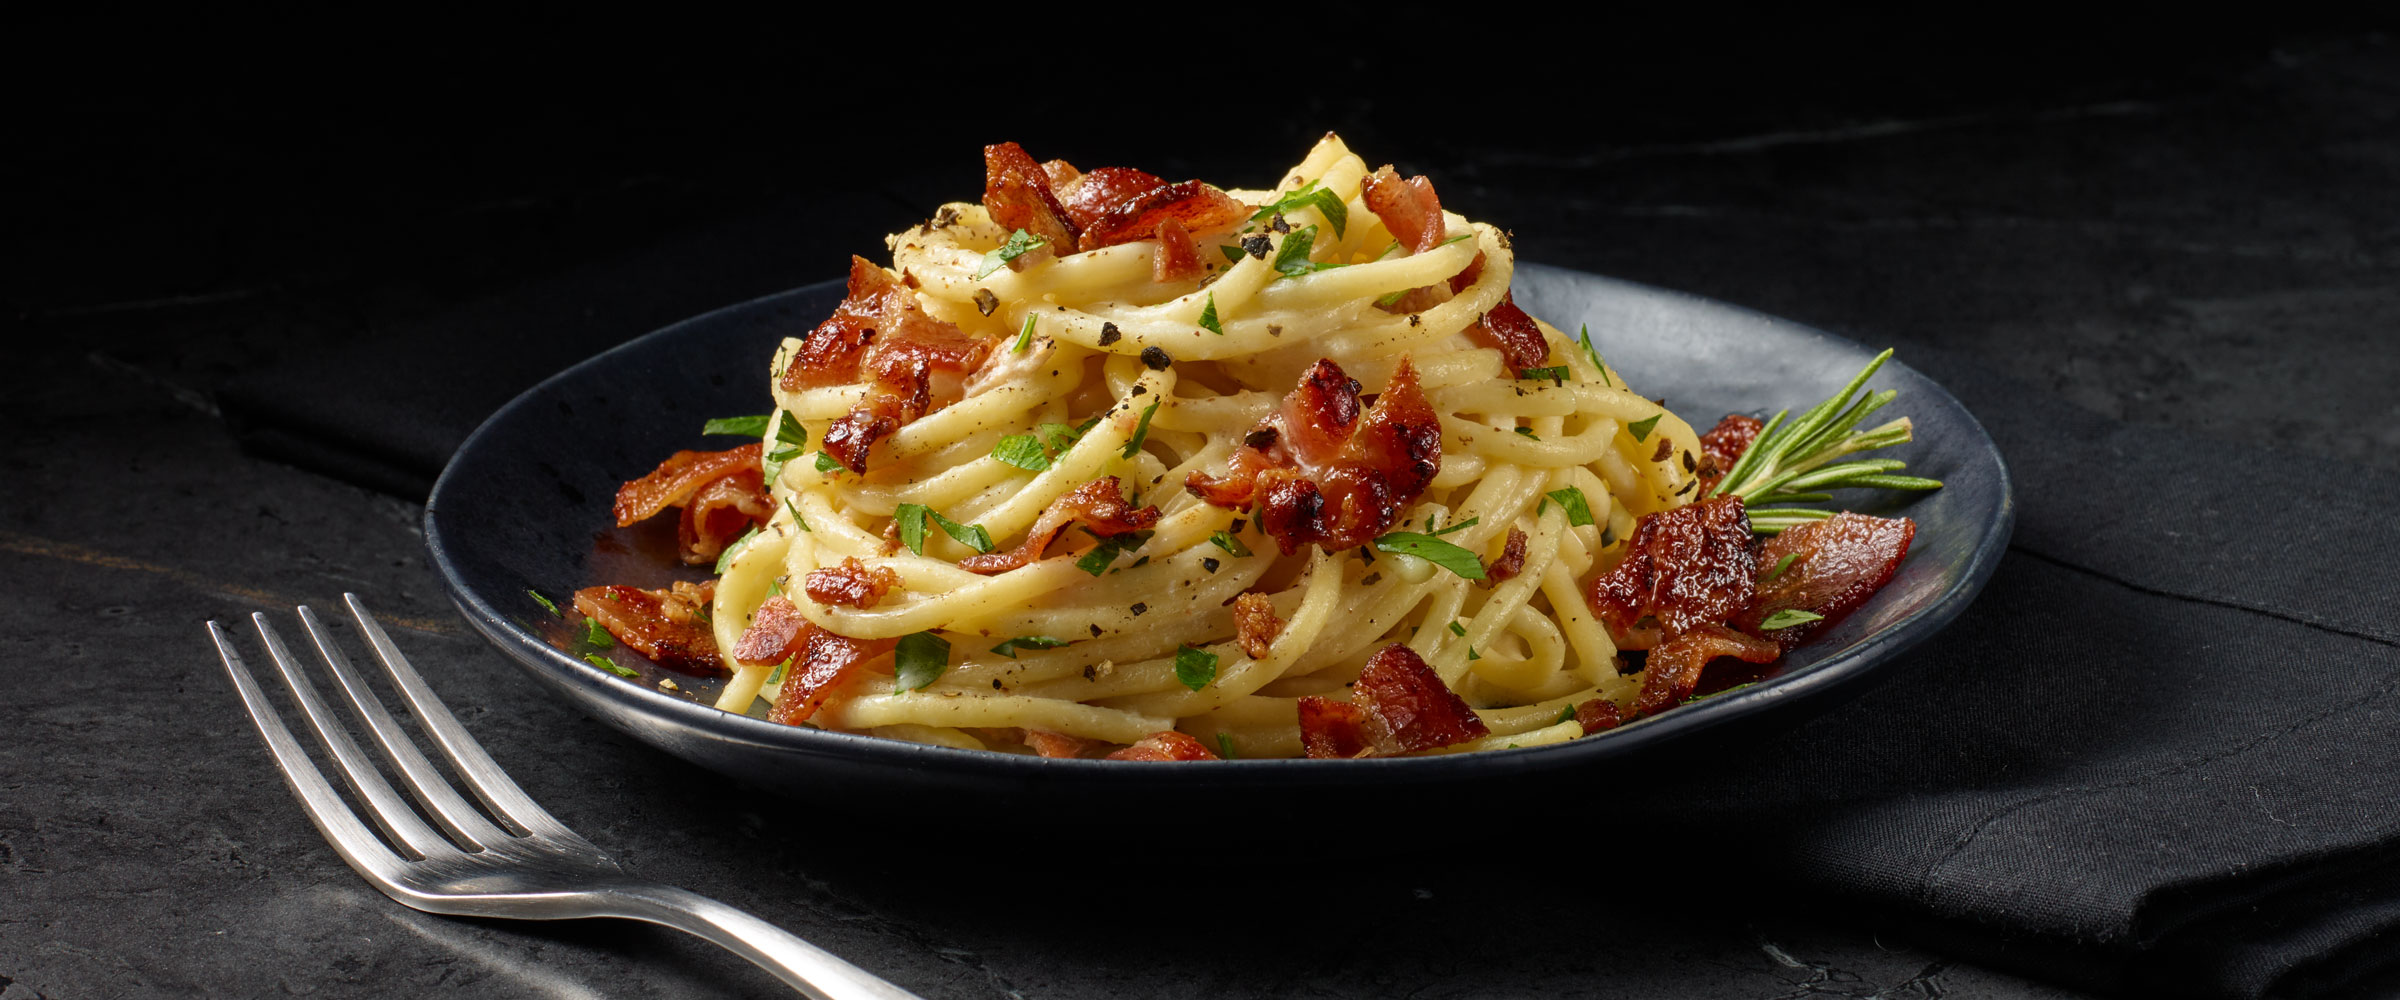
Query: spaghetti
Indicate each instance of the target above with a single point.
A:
(1104, 490)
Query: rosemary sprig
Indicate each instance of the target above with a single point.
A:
(1795, 460)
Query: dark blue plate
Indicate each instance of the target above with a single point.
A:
(524, 505)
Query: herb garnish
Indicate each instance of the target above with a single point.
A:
(610, 665)
(1454, 558)
(777, 676)
(543, 601)
(911, 518)
(1787, 618)
(754, 426)
(1225, 747)
(1457, 629)
(1794, 462)
(1584, 336)
(594, 635)
(1024, 451)
(1310, 195)
(1780, 565)
(1640, 429)
(1096, 561)
(1528, 432)
(790, 437)
(827, 463)
(1571, 499)
(1024, 336)
(1195, 667)
(1565, 712)
(1208, 317)
(1292, 257)
(1225, 540)
(1141, 430)
(919, 659)
(796, 518)
(1009, 648)
(1460, 526)
(1019, 244)
(725, 558)
(1557, 374)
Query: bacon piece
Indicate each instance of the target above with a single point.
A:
(1255, 625)
(677, 479)
(1168, 745)
(1408, 707)
(1098, 505)
(1837, 564)
(1510, 563)
(820, 659)
(1323, 475)
(720, 513)
(1686, 567)
(1178, 255)
(1089, 197)
(1723, 445)
(1515, 334)
(1673, 669)
(1408, 208)
(1056, 745)
(1597, 715)
(1017, 192)
(670, 627)
(1333, 729)
(853, 583)
(879, 332)
(1199, 207)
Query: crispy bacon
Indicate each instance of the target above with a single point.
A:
(1056, 745)
(1333, 729)
(1723, 445)
(820, 660)
(1408, 208)
(1018, 194)
(677, 480)
(1098, 505)
(1198, 207)
(668, 626)
(1408, 707)
(720, 513)
(1597, 715)
(1178, 255)
(1168, 745)
(1255, 625)
(853, 583)
(1323, 475)
(1686, 567)
(881, 334)
(1510, 563)
(1673, 669)
(1518, 338)
(1837, 564)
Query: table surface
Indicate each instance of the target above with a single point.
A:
(2210, 243)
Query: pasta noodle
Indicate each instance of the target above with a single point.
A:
(1111, 636)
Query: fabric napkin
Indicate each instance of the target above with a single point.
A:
(2157, 755)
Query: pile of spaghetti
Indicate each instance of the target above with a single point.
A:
(1112, 465)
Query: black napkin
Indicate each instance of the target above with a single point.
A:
(2157, 754)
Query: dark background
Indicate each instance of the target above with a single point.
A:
(226, 258)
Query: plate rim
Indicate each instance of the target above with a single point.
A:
(1824, 677)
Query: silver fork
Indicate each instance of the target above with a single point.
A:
(534, 869)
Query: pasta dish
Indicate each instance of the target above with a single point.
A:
(1107, 465)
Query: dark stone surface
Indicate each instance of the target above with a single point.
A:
(2202, 235)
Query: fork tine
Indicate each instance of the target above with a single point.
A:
(452, 813)
(333, 818)
(383, 805)
(467, 759)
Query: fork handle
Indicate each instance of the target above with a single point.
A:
(813, 971)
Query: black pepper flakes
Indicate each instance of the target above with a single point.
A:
(1139, 609)
(1687, 486)
(1415, 320)
(1210, 564)
(945, 217)
(1109, 334)
(1274, 330)
(1095, 631)
(1277, 224)
(1261, 439)
(1665, 448)
(1240, 523)
(1156, 360)
(985, 301)
(1140, 389)
(1688, 465)
(1257, 246)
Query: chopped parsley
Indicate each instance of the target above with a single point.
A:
(1009, 648)
(1208, 317)
(1571, 499)
(725, 558)
(1232, 252)
(1787, 618)
(827, 463)
(1019, 244)
(911, 518)
(1096, 561)
(796, 518)
(1454, 558)
(594, 635)
(1225, 747)
(737, 426)
(1640, 429)
(1528, 432)
(1023, 451)
(1195, 667)
(1457, 629)
(1780, 565)
(543, 601)
(1565, 713)
(777, 677)
(1226, 540)
(1310, 195)
(790, 438)
(918, 660)
(1292, 257)
(1460, 526)
(1141, 430)
(1024, 336)
(1555, 373)
(610, 665)
(1585, 337)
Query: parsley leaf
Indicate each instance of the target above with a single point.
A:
(1460, 526)
(1310, 195)
(918, 660)
(777, 677)
(1528, 432)
(1787, 618)
(1457, 629)
(827, 463)
(911, 519)
(543, 601)
(1225, 540)
(1292, 257)
(1225, 747)
(1554, 373)
(1141, 430)
(1579, 509)
(1096, 561)
(1019, 244)
(796, 518)
(1729, 690)
(970, 535)
(1640, 429)
(1208, 317)
(1232, 252)
(1585, 337)
(737, 426)
(610, 665)
(594, 635)
(1780, 565)
(791, 437)
(1472, 655)
(1009, 648)
(725, 559)
(1023, 451)
(1195, 667)
(1454, 558)
(1565, 712)
(1024, 336)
